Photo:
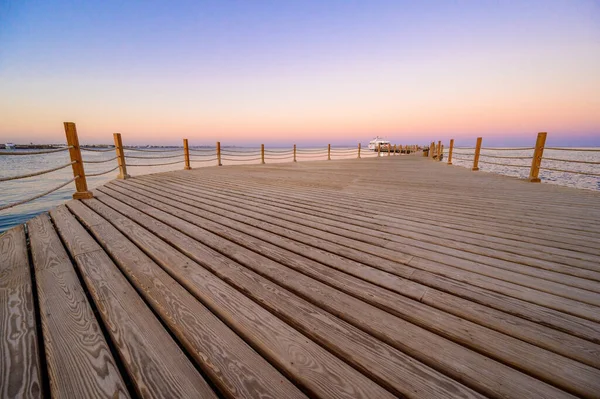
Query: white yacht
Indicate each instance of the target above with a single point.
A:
(374, 144)
(9, 146)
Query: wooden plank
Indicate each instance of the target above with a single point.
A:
(156, 365)
(578, 349)
(231, 364)
(580, 327)
(80, 364)
(383, 363)
(463, 273)
(395, 331)
(19, 352)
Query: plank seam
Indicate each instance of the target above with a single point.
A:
(113, 350)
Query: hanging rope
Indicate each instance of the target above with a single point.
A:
(240, 151)
(573, 149)
(212, 149)
(34, 152)
(3, 207)
(102, 173)
(156, 164)
(240, 160)
(93, 150)
(203, 160)
(504, 164)
(240, 155)
(571, 161)
(106, 160)
(165, 157)
(495, 156)
(508, 149)
(300, 150)
(41, 172)
(572, 171)
(279, 151)
(139, 149)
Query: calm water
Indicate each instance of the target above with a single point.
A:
(464, 158)
(12, 191)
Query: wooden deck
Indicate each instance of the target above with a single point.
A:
(371, 278)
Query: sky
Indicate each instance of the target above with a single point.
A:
(305, 72)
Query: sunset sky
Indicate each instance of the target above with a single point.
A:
(245, 72)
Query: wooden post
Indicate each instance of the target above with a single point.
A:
(219, 154)
(358, 150)
(262, 153)
(536, 162)
(75, 153)
(329, 152)
(378, 150)
(389, 149)
(396, 149)
(439, 150)
(186, 155)
(431, 148)
(441, 153)
(294, 152)
(476, 157)
(120, 156)
(450, 151)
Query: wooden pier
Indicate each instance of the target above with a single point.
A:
(365, 278)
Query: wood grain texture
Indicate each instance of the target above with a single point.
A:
(398, 372)
(156, 365)
(302, 360)
(232, 365)
(478, 372)
(80, 364)
(19, 352)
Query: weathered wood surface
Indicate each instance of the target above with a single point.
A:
(19, 352)
(358, 278)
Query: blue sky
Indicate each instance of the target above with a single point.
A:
(312, 71)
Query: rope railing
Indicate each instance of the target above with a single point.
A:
(508, 149)
(203, 149)
(571, 161)
(143, 150)
(536, 158)
(280, 157)
(102, 161)
(240, 151)
(38, 173)
(573, 149)
(312, 156)
(279, 151)
(572, 171)
(102, 173)
(240, 160)
(504, 164)
(165, 157)
(156, 164)
(239, 154)
(307, 150)
(502, 157)
(203, 160)
(21, 202)
(35, 152)
(95, 150)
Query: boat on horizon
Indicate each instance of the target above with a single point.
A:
(10, 146)
(374, 144)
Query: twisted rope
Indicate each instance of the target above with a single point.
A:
(168, 156)
(3, 207)
(504, 164)
(106, 160)
(34, 152)
(156, 164)
(572, 171)
(312, 156)
(139, 149)
(41, 172)
(280, 157)
(572, 149)
(249, 154)
(495, 156)
(91, 150)
(279, 151)
(571, 161)
(239, 151)
(102, 173)
(203, 160)
(300, 150)
(508, 149)
(212, 149)
(240, 160)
